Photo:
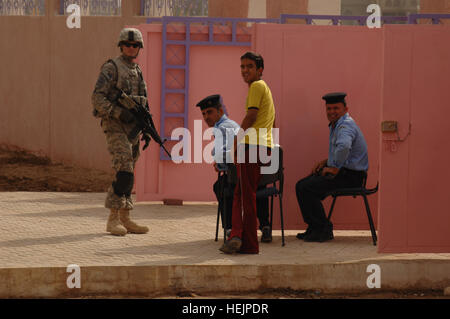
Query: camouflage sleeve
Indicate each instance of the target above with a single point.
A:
(105, 83)
(143, 90)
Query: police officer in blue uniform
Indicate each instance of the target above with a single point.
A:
(346, 166)
(224, 131)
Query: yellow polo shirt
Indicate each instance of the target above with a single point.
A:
(260, 97)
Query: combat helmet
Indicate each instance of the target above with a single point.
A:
(131, 34)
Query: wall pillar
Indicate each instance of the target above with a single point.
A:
(131, 8)
(276, 7)
(435, 6)
(330, 7)
(52, 7)
(228, 8)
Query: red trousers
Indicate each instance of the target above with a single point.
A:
(244, 217)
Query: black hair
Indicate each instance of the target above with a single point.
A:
(259, 61)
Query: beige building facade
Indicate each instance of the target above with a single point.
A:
(434, 6)
(256, 8)
(273, 8)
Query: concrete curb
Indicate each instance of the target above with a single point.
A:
(51, 282)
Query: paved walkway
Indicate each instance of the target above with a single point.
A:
(39, 230)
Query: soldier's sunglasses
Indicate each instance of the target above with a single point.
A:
(134, 45)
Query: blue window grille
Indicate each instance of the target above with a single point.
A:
(175, 8)
(93, 7)
(434, 18)
(22, 7)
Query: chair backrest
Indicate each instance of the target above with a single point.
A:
(364, 180)
(370, 190)
(278, 175)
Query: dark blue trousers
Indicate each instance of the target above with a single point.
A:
(312, 189)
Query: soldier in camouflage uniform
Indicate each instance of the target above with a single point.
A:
(121, 73)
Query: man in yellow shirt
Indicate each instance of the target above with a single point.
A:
(257, 123)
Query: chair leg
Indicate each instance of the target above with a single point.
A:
(369, 216)
(218, 207)
(224, 221)
(281, 219)
(271, 212)
(331, 208)
(217, 223)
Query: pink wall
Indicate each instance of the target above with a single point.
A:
(389, 74)
(298, 76)
(413, 204)
(212, 70)
(303, 63)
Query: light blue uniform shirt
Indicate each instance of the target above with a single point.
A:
(224, 132)
(347, 148)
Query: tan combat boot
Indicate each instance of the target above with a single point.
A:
(130, 225)
(114, 226)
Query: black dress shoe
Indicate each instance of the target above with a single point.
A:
(313, 236)
(303, 235)
(320, 236)
(266, 235)
(327, 236)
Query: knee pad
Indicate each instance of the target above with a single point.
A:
(124, 183)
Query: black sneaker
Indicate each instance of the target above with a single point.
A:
(266, 235)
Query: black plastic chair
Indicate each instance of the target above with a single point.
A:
(357, 191)
(273, 191)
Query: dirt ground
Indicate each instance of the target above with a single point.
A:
(21, 170)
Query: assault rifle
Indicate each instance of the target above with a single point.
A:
(143, 118)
